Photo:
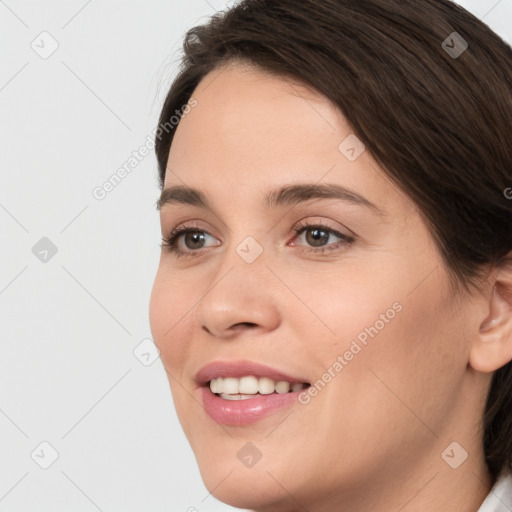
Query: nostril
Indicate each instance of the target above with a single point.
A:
(242, 325)
(249, 324)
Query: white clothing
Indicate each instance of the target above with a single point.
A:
(499, 498)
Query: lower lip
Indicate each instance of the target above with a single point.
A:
(245, 412)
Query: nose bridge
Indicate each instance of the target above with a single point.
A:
(247, 241)
(240, 292)
(248, 255)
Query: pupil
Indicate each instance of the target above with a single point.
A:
(196, 237)
(318, 234)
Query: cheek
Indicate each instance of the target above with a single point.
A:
(410, 367)
(160, 304)
(346, 305)
(169, 309)
(424, 343)
(171, 304)
(400, 344)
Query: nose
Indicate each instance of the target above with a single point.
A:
(242, 298)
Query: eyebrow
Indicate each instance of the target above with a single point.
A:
(289, 195)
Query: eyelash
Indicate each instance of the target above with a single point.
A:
(171, 242)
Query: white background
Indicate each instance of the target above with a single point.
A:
(69, 326)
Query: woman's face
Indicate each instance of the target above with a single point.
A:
(358, 305)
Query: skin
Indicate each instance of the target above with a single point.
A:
(372, 438)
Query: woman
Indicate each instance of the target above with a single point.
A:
(333, 303)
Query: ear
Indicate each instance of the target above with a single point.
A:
(492, 347)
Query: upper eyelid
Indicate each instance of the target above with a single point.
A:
(299, 226)
(191, 224)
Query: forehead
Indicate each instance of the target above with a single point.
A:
(245, 111)
(250, 129)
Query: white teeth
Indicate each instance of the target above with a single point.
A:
(248, 385)
(266, 386)
(282, 386)
(232, 388)
(235, 397)
(214, 385)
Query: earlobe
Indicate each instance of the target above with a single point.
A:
(492, 347)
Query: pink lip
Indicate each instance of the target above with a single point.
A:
(241, 369)
(243, 412)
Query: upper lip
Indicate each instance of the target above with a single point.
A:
(239, 369)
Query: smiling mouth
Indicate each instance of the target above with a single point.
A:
(250, 386)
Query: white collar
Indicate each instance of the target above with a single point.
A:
(500, 497)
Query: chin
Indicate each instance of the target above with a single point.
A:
(244, 488)
(234, 481)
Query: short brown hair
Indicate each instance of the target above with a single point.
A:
(439, 123)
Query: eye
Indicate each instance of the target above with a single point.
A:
(317, 236)
(193, 239)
